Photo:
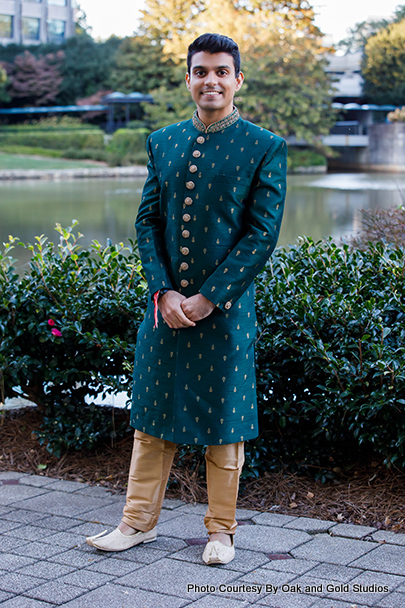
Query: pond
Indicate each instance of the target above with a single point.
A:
(317, 206)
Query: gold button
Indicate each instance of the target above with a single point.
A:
(193, 168)
(184, 266)
(200, 139)
(196, 153)
(185, 250)
(190, 185)
(188, 200)
(228, 305)
(185, 233)
(184, 283)
(186, 217)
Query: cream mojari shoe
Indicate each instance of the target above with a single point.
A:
(216, 552)
(117, 541)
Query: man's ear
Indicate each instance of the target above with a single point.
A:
(239, 81)
(188, 80)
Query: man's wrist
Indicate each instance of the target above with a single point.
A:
(162, 291)
(205, 298)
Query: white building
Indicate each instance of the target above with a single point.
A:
(346, 69)
(36, 21)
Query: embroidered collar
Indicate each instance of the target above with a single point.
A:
(220, 125)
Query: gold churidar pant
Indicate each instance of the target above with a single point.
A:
(149, 472)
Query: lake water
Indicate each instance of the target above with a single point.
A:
(317, 206)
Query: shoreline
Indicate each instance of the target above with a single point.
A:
(106, 172)
(58, 174)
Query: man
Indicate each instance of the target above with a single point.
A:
(208, 221)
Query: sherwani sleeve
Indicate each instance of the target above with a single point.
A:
(264, 210)
(150, 229)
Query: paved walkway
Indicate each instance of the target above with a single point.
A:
(282, 561)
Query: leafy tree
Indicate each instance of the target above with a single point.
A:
(362, 31)
(82, 26)
(176, 24)
(35, 80)
(4, 97)
(170, 105)
(170, 22)
(140, 65)
(384, 65)
(359, 34)
(87, 67)
(286, 88)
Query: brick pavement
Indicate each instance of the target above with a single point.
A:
(281, 561)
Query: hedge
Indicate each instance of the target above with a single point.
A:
(52, 123)
(127, 146)
(331, 353)
(330, 347)
(68, 329)
(56, 140)
(298, 157)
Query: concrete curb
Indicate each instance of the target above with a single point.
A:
(59, 174)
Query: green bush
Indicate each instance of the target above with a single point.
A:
(68, 137)
(330, 352)
(52, 123)
(127, 147)
(56, 140)
(87, 154)
(297, 157)
(68, 329)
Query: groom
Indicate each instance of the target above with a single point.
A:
(208, 221)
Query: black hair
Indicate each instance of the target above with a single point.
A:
(214, 43)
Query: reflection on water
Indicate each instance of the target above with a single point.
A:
(331, 204)
(104, 208)
(317, 206)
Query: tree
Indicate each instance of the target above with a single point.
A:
(35, 80)
(359, 34)
(4, 97)
(86, 68)
(170, 22)
(140, 65)
(362, 31)
(81, 26)
(384, 65)
(176, 24)
(286, 89)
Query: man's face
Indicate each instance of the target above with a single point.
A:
(212, 83)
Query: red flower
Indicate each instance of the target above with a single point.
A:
(56, 332)
(51, 322)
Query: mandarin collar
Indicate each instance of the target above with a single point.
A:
(220, 125)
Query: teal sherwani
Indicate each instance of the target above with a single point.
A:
(209, 220)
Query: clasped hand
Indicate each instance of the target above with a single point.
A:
(179, 311)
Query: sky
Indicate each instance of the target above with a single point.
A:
(333, 18)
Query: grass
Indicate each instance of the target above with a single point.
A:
(19, 161)
(31, 151)
(304, 158)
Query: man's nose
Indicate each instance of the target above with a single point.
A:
(211, 78)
